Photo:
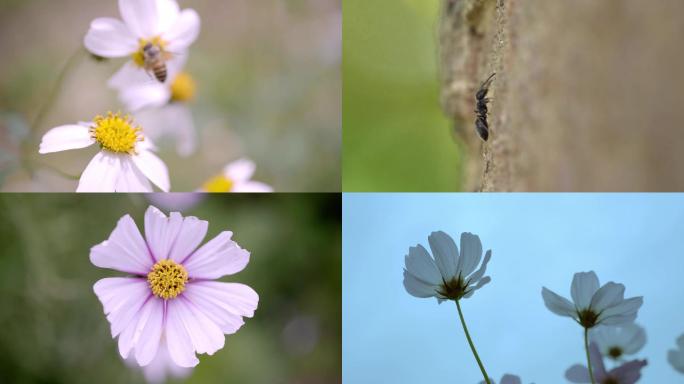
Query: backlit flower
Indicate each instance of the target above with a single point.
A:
(236, 177)
(125, 161)
(627, 373)
(676, 356)
(617, 341)
(594, 305)
(450, 275)
(169, 300)
(157, 22)
(506, 379)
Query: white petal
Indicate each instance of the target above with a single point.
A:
(161, 231)
(558, 304)
(445, 252)
(220, 256)
(421, 265)
(141, 17)
(108, 37)
(205, 335)
(481, 283)
(578, 374)
(178, 340)
(607, 296)
(625, 311)
(65, 137)
(252, 187)
(131, 179)
(417, 287)
(184, 31)
(676, 359)
(584, 285)
(149, 330)
(635, 338)
(101, 174)
(483, 268)
(129, 75)
(471, 254)
(153, 168)
(190, 235)
(510, 379)
(240, 170)
(173, 120)
(168, 12)
(125, 250)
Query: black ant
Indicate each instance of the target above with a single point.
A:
(481, 99)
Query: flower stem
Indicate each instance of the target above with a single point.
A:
(472, 346)
(586, 347)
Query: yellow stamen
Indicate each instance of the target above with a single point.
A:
(116, 133)
(183, 87)
(139, 56)
(167, 279)
(219, 184)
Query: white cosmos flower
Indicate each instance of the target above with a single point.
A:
(450, 275)
(236, 177)
(676, 356)
(616, 341)
(159, 22)
(125, 162)
(594, 305)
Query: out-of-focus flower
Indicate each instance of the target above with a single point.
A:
(236, 177)
(161, 368)
(450, 275)
(170, 295)
(616, 341)
(125, 162)
(175, 201)
(157, 22)
(676, 356)
(627, 373)
(593, 305)
(506, 379)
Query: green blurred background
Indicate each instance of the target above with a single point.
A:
(395, 137)
(52, 326)
(269, 88)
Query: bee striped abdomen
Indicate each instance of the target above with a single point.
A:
(160, 72)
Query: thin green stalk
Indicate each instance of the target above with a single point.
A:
(586, 347)
(472, 346)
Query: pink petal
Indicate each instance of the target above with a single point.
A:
(128, 336)
(191, 234)
(121, 298)
(178, 340)
(219, 257)
(205, 335)
(149, 331)
(125, 250)
(223, 303)
(161, 231)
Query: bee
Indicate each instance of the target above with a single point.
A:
(481, 99)
(155, 61)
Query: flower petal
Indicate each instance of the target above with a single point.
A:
(622, 312)
(418, 288)
(141, 17)
(108, 37)
(218, 257)
(510, 379)
(558, 304)
(628, 373)
(161, 231)
(607, 296)
(153, 168)
(178, 340)
(121, 298)
(421, 265)
(578, 374)
(131, 179)
(101, 174)
(584, 285)
(676, 359)
(252, 187)
(224, 303)
(125, 250)
(471, 254)
(205, 335)
(183, 32)
(240, 170)
(483, 268)
(149, 331)
(130, 335)
(445, 253)
(190, 235)
(481, 283)
(65, 137)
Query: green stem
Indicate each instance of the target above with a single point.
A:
(586, 347)
(472, 346)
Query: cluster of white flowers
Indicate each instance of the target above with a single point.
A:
(154, 87)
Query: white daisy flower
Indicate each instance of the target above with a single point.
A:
(450, 275)
(594, 305)
(125, 162)
(236, 177)
(617, 341)
(676, 356)
(157, 22)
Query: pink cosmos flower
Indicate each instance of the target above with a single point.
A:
(170, 301)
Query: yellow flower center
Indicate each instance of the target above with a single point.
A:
(183, 88)
(167, 279)
(116, 133)
(219, 184)
(139, 56)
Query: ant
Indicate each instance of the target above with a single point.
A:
(481, 98)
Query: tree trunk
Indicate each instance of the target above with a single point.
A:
(588, 95)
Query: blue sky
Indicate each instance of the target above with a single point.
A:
(536, 240)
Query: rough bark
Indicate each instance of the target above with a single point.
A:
(588, 94)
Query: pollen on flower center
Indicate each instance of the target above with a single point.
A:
(183, 87)
(219, 184)
(139, 56)
(167, 279)
(116, 133)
